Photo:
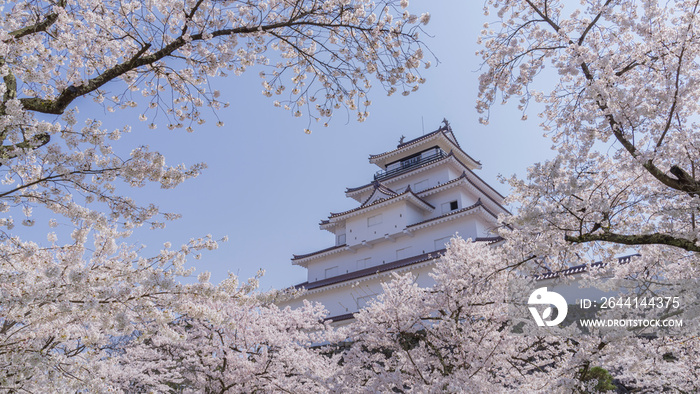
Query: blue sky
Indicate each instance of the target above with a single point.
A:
(269, 184)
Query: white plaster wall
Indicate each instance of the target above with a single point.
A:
(454, 173)
(422, 241)
(393, 221)
(466, 198)
(466, 227)
(414, 215)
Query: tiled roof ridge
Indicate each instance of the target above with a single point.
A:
(384, 267)
(459, 178)
(409, 142)
(337, 318)
(378, 186)
(385, 188)
(408, 190)
(583, 267)
(445, 128)
(478, 203)
(353, 189)
(303, 256)
(442, 129)
(482, 181)
(483, 192)
(372, 270)
(437, 160)
(490, 240)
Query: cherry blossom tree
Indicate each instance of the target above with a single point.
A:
(457, 336)
(440, 339)
(616, 84)
(236, 343)
(73, 316)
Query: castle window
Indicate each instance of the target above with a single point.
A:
(450, 206)
(374, 220)
(331, 272)
(340, 239)
(364, 263)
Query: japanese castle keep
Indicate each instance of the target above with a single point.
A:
(424, 193)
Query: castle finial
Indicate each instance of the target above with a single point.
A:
(446, 124)
(403, 137)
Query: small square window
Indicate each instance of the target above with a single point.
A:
(449, 206)
(340, 239)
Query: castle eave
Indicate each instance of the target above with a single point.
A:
(449, 158)
(408, 195)
(351, 278)
(371, 271)
(438, 137)
(472, 209)
(299, 258)
(583, 268)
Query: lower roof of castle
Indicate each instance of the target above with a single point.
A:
(384, 267)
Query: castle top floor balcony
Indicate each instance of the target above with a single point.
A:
(410, 163)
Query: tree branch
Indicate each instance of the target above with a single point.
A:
(642, 239)
(72, 92)
(39, 26)
(593, 22)
(12, 151)
(686, 185)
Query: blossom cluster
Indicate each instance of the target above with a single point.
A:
(94, 313)
(615, 86)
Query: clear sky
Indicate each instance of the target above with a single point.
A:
(269, 184)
